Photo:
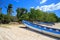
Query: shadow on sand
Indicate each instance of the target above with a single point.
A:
(40, 33)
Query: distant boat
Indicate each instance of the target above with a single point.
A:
(51, 31)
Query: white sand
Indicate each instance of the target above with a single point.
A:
(14, 32)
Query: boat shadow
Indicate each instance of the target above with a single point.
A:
(26, 28)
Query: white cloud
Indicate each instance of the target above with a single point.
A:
(43, 1)
(32, 7)
(50, 7)
(38, 7)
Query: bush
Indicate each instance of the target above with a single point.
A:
(5, 18)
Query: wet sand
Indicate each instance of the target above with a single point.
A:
(20, 32)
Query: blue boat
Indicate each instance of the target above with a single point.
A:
(51, 31)
(47, 23)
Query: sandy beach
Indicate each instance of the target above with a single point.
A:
(19, 32)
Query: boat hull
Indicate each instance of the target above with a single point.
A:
(43, 31)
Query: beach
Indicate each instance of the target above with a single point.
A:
(20, 32)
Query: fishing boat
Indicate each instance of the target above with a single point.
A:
(47, 30)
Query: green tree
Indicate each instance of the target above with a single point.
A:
(32, 16)
(42, 16)
(0, 10)
(7, 19)
(25, 16)
(20, 12)
(9, 9)
(9, 13)
(58, 20)
(51, 17)
(1, 18)
(36, 15)
(4, 19)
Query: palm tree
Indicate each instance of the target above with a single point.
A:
(0, 10)
(9, 9)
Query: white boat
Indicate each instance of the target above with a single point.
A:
(47, 30)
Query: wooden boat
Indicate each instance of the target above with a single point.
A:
(47, 30)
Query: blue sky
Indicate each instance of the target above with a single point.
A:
(45, 5)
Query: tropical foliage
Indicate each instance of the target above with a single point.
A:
(23, 14)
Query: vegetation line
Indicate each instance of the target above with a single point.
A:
(23, 14)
